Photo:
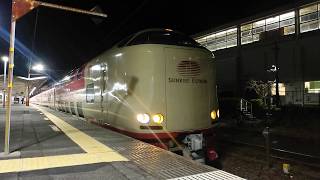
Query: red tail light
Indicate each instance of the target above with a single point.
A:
(212, 154)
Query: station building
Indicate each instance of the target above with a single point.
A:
(285, 40)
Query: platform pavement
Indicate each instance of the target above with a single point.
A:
(34, 135)
(53, 145)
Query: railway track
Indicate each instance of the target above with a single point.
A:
(281, 154)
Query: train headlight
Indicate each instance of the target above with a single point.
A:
(158, 118)
(213, 114)
(143, 118)
(218, 113)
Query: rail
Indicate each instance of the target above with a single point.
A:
(282, 154)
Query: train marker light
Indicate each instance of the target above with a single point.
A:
(213, 114)
(157, 118)
(143, 118)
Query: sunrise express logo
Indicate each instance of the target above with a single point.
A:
(189, 69)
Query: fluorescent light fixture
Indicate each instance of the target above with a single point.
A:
(32, 79)
(38, 67)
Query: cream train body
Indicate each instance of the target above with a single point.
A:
(147, 90)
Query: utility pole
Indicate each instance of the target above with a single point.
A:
(28, 84)
(276, 54)
(10, 84)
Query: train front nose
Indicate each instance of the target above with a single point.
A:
(189, 89)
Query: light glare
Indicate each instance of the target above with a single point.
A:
(66, 78)
(143, 118)
(38, 67)
(5, 58)
(118, 55)
(218, 113)
(96, 67)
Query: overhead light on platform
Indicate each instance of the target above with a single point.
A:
(32, 79)
(5, 58)
(38, 67)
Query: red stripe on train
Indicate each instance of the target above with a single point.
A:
(150, 136)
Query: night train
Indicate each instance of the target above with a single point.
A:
(157, 85)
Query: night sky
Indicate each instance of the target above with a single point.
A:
(65, 40)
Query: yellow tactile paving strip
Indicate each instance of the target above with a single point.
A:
(87, 143)
(38, 163)
(96, 152)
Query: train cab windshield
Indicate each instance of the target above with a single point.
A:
(160, 37)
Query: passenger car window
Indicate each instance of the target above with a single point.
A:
(94, 71)
(90, 93)
(171, 38)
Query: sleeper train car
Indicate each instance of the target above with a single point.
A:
(157, 85)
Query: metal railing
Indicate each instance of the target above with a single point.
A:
(245, 106)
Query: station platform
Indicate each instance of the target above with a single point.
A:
(47, 144)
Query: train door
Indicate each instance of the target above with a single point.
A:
(111, 93)
(99, 86)
(103, 84)
(92, 107)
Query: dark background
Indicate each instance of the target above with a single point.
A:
(65, 40)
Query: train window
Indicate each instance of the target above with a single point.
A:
(140, 39)
(124, 41)
(90, 93)
(164, 37)
(95, 71)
